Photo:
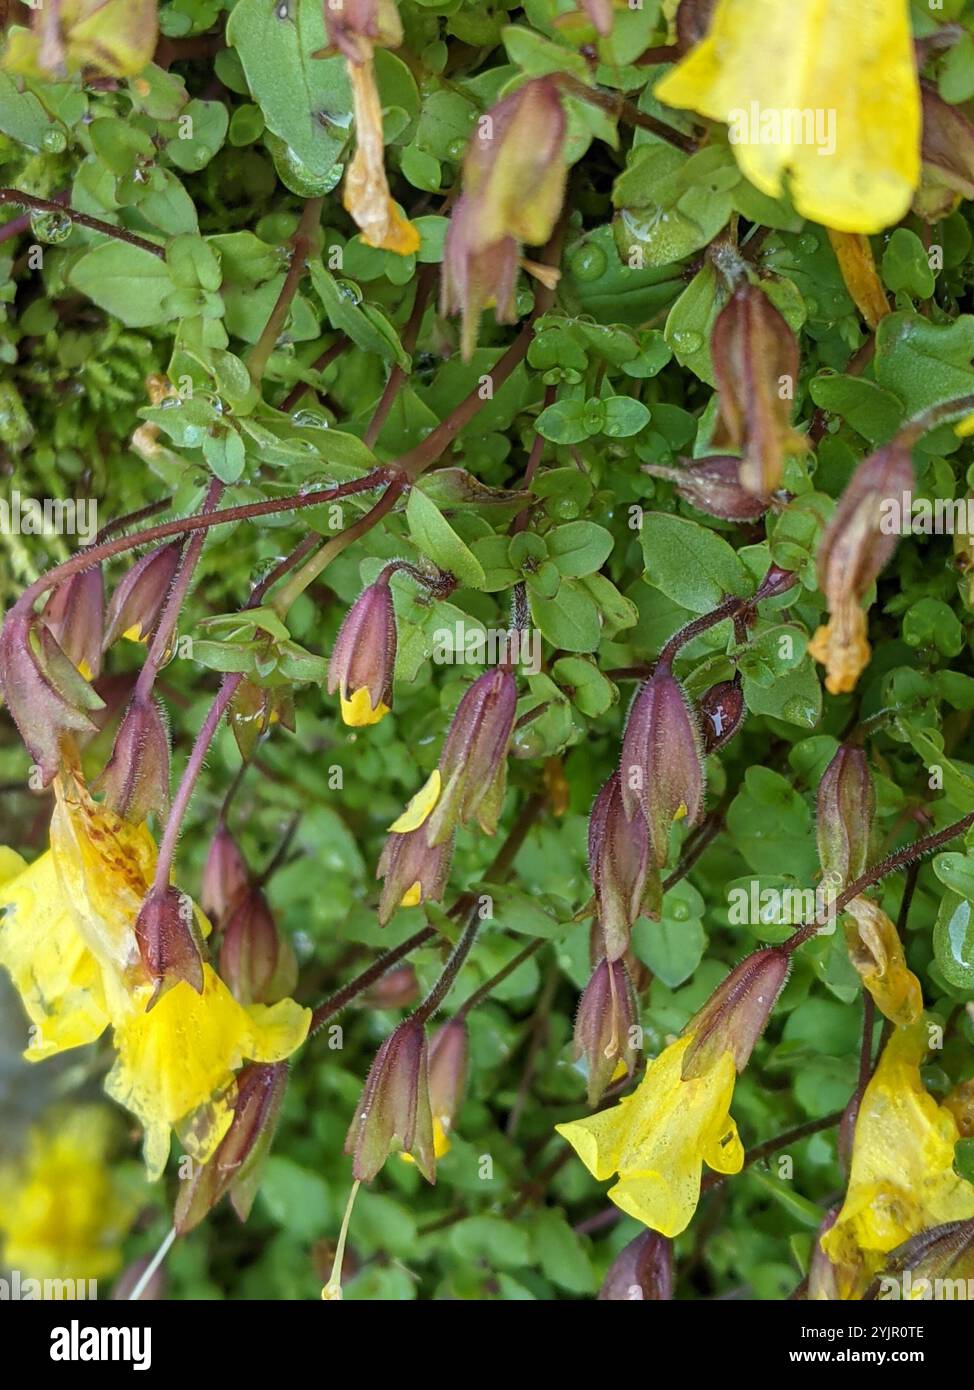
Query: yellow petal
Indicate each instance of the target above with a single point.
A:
(55, 973)
(855, 257)
(358, 712)
(876, 952)
(902, 1178)
(809, 60)
(178, 1059)
(420, 807)
(366, 191)
(658, 1139)
(842, 648)
(413, 895)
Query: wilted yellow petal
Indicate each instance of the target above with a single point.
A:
(366, 192)
(876, 952)
(420, 806)
(815, 90)
(855, 257)
(841, 647)
(117, 37)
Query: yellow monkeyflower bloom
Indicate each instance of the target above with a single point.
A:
(658, 1139)
(876, 952)
(357, 711)
(840, 645)
(822, 91)
(441, 1138)
(902, 1178)
(64, 1208)
(67, 940)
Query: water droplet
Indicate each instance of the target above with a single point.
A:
(455, 150)
(680, 912)
(589, 262)
(350, 291)
(54, 141)
(687, 341)
(310, 419)
(51, 227)
(808, 243)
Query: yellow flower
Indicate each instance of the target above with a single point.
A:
(63, 1208)
(357, 711)
(841, 646)
(67, 939)
(902, 1178)
(658, 1139)
(876, 952)
(828, 95)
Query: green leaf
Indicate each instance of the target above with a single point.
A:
(437, 539)
(663, 216)
(953, 934)
(563, 1257)
(568, 619)
(367, 327)
(690, 564)
(126, 281)
(672, 949)
(580, 547)
(296, 1198)
(925, 363)
(305, 100)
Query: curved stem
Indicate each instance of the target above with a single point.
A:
(94, 224)
(301, 244)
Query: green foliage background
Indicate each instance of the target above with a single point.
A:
(618, 375)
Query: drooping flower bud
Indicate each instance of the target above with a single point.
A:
(876, 952)
(364, 657)
(75, 613)
(514, 176)
(474, 277)
(136, 778)
(472, 774)
(225, 876)
(721, 712)
(924, 1263)
(853, 550)
(169, 941)
(605, 1026)
(735, 1015)
(619, 865)
(394, 1110)
(413, 871)
(448, 1060)
(136, 603)
(256, 961)
(236, 1166)
(643, 1269)
(713, 485)
(661, 765)
(756, 360)
(844, 816)
(46, 694)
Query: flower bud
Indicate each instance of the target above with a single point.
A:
(947, 152)
(756, 361)
(937, 1254)
(514, 169)
(413, 871)
(354, 27)
(225, 876)
(473, 763)
(643, 1269)
(844, 816)
(448, 1058)
(601, 15)
(735, 1015)
(394, 1111)
(237, 1164)
(364, 657)
(661, 766)
(75, 614)
(169, 941)
(136, 603)
(713, 486)
(474, 277)
(876, 952)
(256, 961)
(720, 713)
(47, 696)
(618, 858)
(605, 1026)
(853, 550)
(136, 778)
